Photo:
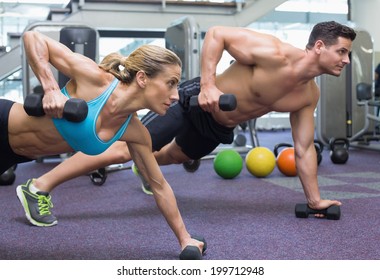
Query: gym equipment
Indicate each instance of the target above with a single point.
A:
(260, 161)
(8, 177)
(285, 159)
(192, 165)
(75, 109)
(192, 252)
(365, 99)
(318, 149)
(339, 150)
(331, 213)
(292, 171)
(228, 164)
(99, 176)
(227, 102)
(240, 140)
(83, 40)
(183, 37)
(338, 114)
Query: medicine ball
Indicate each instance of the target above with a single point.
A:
(260, 161)
(228, 164)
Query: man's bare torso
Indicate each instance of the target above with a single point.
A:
(260, 90)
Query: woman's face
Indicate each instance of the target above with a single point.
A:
(162, 90)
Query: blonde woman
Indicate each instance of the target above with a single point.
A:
(114, 90)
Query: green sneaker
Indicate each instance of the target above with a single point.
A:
(36, 206)
(144, 184)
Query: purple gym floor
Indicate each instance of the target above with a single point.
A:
(245, 218)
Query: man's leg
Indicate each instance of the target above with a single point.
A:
(187, 146)
(171, 154)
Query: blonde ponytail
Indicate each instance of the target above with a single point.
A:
(148, 58)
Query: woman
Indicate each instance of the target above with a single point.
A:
(114, 90)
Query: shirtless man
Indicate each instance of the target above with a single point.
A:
(268, 75)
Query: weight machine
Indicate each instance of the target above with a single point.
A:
(346, 109)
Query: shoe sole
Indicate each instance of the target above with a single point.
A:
(145, 190)
(21, 197)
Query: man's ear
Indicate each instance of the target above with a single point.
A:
(141, 79)
(318, 46)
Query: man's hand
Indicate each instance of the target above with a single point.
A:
(323, 204)
(208, 98)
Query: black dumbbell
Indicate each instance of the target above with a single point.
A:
(8, 177)
(227, 102)
(331, 213)
(98, 177)
(192, 252)
(75, 109)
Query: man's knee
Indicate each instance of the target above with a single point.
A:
(171, 154)
(178, 157)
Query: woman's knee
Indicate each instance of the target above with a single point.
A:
(119, 153)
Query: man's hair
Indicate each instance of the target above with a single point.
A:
(329, 32)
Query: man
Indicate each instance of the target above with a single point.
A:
(267, 75)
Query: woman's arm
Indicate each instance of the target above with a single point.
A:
(140, 148)
(43, 52)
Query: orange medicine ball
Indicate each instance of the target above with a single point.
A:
(286, 162)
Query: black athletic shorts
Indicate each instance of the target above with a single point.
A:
(7, 157)
(193, 129)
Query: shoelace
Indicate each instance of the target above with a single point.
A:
(44, 204)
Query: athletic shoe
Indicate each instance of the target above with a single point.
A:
(36, 205)
(144, 184)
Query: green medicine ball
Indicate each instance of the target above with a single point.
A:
(228, 164)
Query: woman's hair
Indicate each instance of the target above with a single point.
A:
(329, 32)
(148, 58)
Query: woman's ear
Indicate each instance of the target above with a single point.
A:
(141, 79)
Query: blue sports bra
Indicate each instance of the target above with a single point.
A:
(82, 136)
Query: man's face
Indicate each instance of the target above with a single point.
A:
(333, 58)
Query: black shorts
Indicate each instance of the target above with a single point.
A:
(193, 129)
(7, 157)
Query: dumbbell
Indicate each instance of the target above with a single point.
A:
(8, 177)
(75, 109)
(331, 213)
(227, 102)
(98, 177)
(192, 252)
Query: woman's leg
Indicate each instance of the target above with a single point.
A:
(34, 194)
